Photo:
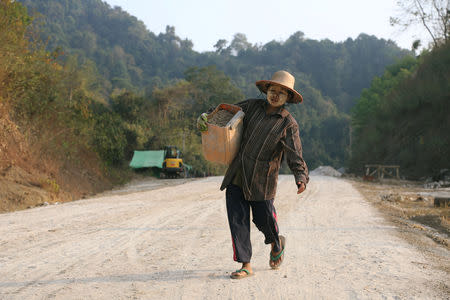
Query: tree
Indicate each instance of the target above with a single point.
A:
(109, 139)
(403, 118)
(220, 45)
(172, 101)
(129, 106)
(129, 57)
(240, 43)
(434, 15)
(211, 87)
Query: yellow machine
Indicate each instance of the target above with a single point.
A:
(173, 163)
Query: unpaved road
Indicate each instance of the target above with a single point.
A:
(173, 243)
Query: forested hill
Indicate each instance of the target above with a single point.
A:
(131, 57)
(121, 56)
(403, 118)
(91, 84)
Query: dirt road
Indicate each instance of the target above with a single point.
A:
(174, 243)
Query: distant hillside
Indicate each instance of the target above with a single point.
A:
(132, 57)
(123, 56)
(125, 52)
(75, 106)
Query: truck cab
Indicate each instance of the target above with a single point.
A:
(173, 162)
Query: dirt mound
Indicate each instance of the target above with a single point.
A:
(21, 185)
(32, 176)
(326, 171)
(20, 189)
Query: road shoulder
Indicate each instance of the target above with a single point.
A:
(406, 206)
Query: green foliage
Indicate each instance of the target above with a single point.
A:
(46, 99)
(182, 103)
(127, 55)
(210, 87)
(14, 52)
(110, 138)
(130, 57)
(129, 107)
(123, 88)
(403, 117)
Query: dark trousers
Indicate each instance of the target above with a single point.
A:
(264, 217)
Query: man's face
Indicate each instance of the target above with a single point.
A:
(277, 95)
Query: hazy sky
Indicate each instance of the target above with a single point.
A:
(204, 22)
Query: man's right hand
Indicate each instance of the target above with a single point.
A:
(201, 122)
(301, 187)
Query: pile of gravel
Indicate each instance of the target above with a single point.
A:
(326, 171)
(221, 118)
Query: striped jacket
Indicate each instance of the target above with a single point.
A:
(265, 139)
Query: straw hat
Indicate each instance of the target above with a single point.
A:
(284, 79)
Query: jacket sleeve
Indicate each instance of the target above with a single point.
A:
(294, 156)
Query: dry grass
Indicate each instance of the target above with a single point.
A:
(32, 172)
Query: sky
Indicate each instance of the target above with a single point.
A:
(204, 22)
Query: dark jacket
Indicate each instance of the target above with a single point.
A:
(265, 139)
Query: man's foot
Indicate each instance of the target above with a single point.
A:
(243, 272)
(276, 258)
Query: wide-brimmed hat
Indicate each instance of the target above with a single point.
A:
(284, 79)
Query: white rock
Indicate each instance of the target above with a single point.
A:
(326, 171)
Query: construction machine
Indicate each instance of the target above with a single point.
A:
(173, 163)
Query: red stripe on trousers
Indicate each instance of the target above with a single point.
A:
(234, 250)
(276, 219)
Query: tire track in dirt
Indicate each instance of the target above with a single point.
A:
(89, 251)
(174, 243)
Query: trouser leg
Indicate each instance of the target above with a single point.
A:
(265, 219)
(238, 210)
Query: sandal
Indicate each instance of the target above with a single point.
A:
(280, 256)
(239, 275)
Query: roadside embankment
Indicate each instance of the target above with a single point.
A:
(31, 174)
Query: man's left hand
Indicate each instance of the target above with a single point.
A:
(301, 187)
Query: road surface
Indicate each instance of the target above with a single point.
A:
(173, 242)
